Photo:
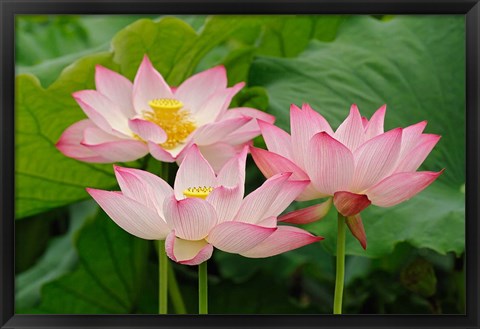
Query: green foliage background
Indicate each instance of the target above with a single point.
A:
(70, 258)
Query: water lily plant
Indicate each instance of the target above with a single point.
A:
(354, 166)
(205, 210)
(128, 120)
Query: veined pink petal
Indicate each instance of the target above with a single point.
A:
(351, 132)
(195, 90)
(285, 196)
(148, 131)
(131, 215)
(218, 154)
(69, 143)
(215, 106)
(194, 171)
(271, 164)
(415, 158)
(270, 222)
(148, 85)
(376, 159)
(355, 226)
(93, 135)
(187, 252)
(400, 187)
(217, 131)
(350, 204)
(160, 153)
(143, 187)
(284, 239)
(116, 87)
(304, 124)
(191, 218)
(330, 164)
(411, 138)
(364, 122)
(374, 127)
(307, 215)
(226, 201)
(237, 237)
(119, 151)
(248, 112)
(103, 112)
(277, 140)
(257, 204)
(233, 172)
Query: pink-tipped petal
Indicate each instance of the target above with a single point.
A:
(69, 143)
(284, 239)
(132, 216)
(216, 105)
(257, 204)
(119, 151)
(374, 127)
(355, 226)
(148, 85)
(160, 153)
(195, 90)
(271, 164)
(143, 187)
(217, 131)
(148, 131)
(364, 122)
(233, 172)
(249, 112)
(307, 215)
(93, 135)
(376, 159)
(187, 252)
(237, 237)
(191, 218)
(116, 87)
(330, 164)
(285, 196)
(226, 201)
(351, 132)
(106, 114)
(277, 140)
(350, 204)
(411, 136)
(304, 124)
(415, 158)
(400, 187)
(194, 171)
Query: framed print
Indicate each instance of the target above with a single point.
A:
(258, 164)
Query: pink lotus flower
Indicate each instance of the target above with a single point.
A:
(205, 210)
(126, 121)
(359, 164)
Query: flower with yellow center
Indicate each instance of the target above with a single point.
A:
(128, 120)
(205, 210)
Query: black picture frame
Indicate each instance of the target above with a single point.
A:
(10, 8)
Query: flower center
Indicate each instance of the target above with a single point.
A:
(172, 118)
(198, 192)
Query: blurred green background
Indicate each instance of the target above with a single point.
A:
(70, 258)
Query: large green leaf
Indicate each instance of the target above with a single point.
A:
(45, 178)
(110, 277)
(58, 259)
(416, 66)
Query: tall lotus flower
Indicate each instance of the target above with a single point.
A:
(357, 165)
(205, 210)
(128, 120)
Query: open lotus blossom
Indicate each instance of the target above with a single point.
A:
(359, 164)
(128, 120)
(205, 210)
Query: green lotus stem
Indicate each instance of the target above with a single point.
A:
(340, 276)
(162, 279)
(174, 292)
(202, 288)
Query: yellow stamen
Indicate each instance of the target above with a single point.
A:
(172, 118)
(198, 192)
